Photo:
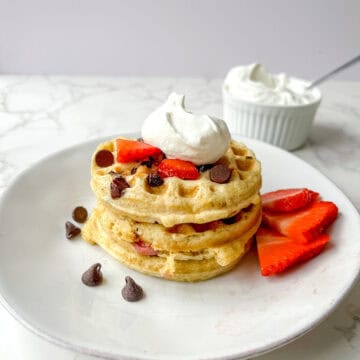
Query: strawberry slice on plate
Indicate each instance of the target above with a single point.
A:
(303, 225)
(180, 168)
(144, 249)
(277, 252)
(288, 199)
(132, 150)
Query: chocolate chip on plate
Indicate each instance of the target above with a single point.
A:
(132, 291)
(220, 174)
(117, 186)
(80, 214)
(93, 276)
(71, 230)
(204, 167)
(154, 180)
(133, 171)
(104, 158)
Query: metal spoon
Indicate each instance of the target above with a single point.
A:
(333, 72)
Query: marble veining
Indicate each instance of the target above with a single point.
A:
(42, 114)
(350, 331)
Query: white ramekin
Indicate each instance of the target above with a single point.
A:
(286, 126)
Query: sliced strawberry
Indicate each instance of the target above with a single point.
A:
(180, 168)
(131, 150)
(277, 252)
(144, 249)
(288, 199)
(303, 225)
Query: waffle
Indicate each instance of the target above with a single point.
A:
(180, 201)
(178, 266)
(182, 237)
(194, 229)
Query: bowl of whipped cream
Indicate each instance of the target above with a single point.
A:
(274, 108)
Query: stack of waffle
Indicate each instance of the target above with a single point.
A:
(183, 230)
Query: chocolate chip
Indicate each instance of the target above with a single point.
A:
(133, 170)
(140, 139)
(92, 276)
(117, 186)
(80, 214)
(104, 158)
(220, 174)
(230, 220)
(147, 163)
(203, 168)
(71, 230)
(248, 157)
(154, 180)
(131, 291)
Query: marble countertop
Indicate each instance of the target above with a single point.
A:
(42, 114)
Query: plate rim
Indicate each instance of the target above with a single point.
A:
(260, 350)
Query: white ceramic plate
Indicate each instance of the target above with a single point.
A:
(237, 315)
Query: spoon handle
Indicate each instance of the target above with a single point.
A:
(335, 71)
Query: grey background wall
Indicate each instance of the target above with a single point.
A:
(177, 37)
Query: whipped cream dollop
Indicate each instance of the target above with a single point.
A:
(254, 84)
(183, 135)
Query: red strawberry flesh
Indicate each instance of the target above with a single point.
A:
(303, 225)
(288, 199)
(277, 252)
(180, 168)
(131, 150)
(144, 249)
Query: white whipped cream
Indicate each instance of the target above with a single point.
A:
(253, 83)
(183, 135)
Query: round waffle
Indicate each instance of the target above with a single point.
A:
(179, 266)
(180, 201)
(182, 237)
